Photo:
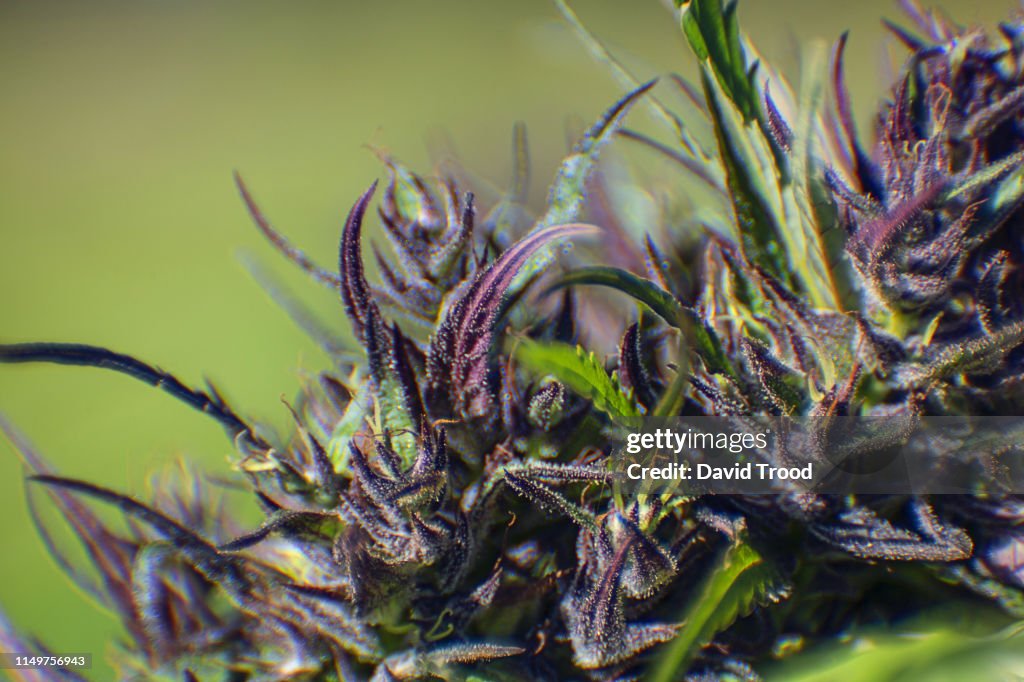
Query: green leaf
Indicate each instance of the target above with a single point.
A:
(412, 200)
(936, 654)
(351, 421)
(713, 33)
(751, 176)
(394, 414)
(741, 579)
(568, 191)
(774, 211)
(565, 200)
(664, 304)
(809, 257)
(581, 372)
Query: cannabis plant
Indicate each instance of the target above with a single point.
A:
(443, 507)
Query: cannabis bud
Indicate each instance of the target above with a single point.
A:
(443, 508)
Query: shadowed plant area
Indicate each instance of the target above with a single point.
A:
(440, 504)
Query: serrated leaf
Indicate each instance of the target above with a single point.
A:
(741, 579)
(581, 372)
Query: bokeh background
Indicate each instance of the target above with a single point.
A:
(120, 125)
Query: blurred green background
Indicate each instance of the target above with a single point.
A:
(120, 124)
